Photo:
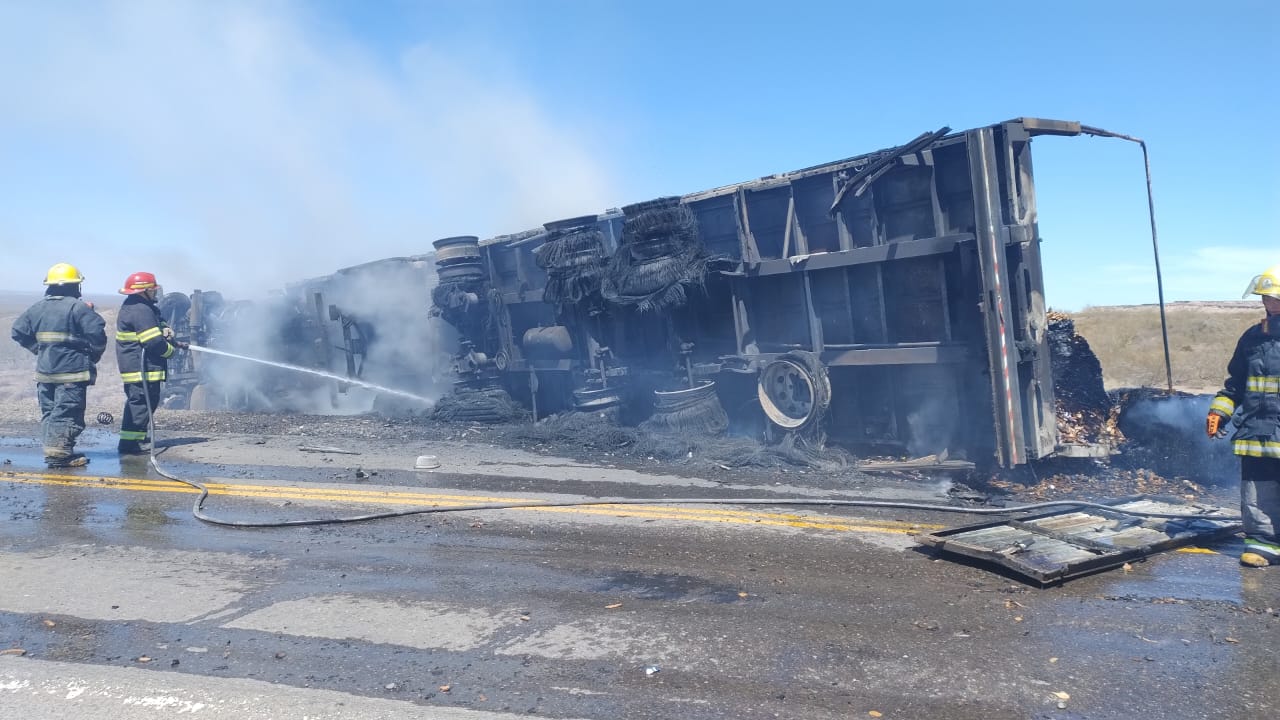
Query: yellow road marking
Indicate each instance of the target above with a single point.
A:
(412, 498)
(1198, 551)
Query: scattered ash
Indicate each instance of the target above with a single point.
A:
(1056, 480)
(585, 437)
(594, 434)
(491, 405)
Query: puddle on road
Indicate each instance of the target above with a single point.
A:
(20, 454)
(64, 504)
(99, 445)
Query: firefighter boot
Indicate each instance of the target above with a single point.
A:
(1259, 554)
(65, 460)
(131, 447)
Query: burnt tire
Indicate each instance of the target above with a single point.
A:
(569, 224)
(671, 245)
(655, 204)
(476, 406)
(662, 222)
(690, 411)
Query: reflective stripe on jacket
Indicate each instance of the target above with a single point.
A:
(67, 336)
(1251, 394)
(140, 342)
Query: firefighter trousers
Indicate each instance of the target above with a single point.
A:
(61, 416)
(139, 403)
(1260, 505)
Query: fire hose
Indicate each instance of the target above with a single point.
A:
(197, 509)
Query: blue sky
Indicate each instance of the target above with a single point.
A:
(242, 145)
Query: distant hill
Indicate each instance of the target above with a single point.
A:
(1230, 305)
(1202, 336)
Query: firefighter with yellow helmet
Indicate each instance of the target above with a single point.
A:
(68, 337)
(1250, 402)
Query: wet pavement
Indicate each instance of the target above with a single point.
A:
(631, 612)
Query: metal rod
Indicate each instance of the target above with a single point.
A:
(1155, 245)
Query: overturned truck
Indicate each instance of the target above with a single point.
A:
(891, 302)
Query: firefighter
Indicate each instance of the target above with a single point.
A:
(144, 343)
(1250, 400)
(68, 337)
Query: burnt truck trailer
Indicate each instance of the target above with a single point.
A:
(363, 323)
(890, 300)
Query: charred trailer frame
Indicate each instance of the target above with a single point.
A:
(541, 337)
(891, 300)
(364, 322)
(914, 276)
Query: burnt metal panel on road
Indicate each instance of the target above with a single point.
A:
(1056, 546)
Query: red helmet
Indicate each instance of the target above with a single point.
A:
(138, 282)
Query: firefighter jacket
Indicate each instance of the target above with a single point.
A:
(140, 343)
(67, 336)
(1251, 396)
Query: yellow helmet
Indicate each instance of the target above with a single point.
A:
(1268, 283)
(63, 274)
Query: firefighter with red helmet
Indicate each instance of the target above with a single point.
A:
(68, 337)
(144, 344)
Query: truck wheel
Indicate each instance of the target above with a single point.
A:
(179, 400)
(198, 400)
(794, 390)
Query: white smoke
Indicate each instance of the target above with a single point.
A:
(368, 323)
(242, 145)
(1177, 423)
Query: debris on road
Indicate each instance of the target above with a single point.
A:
(1056, 546)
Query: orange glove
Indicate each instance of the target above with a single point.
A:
(1215, 424)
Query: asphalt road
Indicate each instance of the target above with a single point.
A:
(115, 602)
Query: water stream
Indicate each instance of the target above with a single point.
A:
(310, 371)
